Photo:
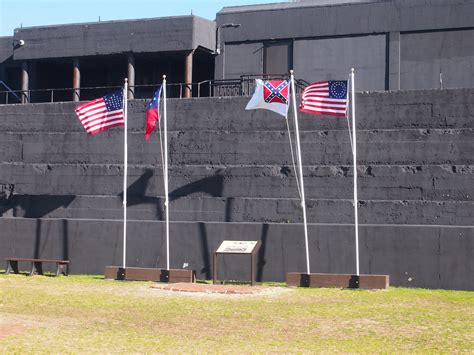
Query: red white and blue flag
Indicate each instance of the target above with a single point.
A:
(103, 113)
(271, 95)
(325, 98)
(152, 113)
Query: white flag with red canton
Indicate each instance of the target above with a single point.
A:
(103, 113)
(325, 98)
(271, 95)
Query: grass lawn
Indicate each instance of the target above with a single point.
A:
(89, 314)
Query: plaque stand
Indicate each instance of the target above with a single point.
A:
(237, 248)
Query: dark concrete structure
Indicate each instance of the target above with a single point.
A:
(231, 178)
(231, 175)
(393, 44)
(102, 54)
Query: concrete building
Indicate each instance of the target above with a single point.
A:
(102, 54)
(392, 44)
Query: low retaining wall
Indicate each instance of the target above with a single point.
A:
(231, 177)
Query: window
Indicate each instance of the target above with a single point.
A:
(278, 57)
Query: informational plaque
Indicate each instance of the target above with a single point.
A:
(236, 247)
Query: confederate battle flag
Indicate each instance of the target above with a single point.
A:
(271, 95)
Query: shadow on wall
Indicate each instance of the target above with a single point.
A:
(33, 206)
(44, 249)
(212, 185)
(261, 253)
(136, 192)
(30, 206)
(37, 207)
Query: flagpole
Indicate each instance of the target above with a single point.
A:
(354, 152)
(166, 176)
(298, 145)
(125, 172)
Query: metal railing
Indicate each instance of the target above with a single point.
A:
(243, 86)
(9, 91)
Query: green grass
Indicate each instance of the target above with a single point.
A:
(89, 314)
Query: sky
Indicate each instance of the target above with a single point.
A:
(26, 13)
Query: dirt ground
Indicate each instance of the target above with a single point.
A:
(185, 289)
(217, 289)
(12, 329)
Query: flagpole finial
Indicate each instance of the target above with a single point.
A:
(291, 71)
(352, 70)
(126, 80)
(164, 76)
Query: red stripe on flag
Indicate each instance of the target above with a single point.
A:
(100, 129)
(326, 102)
(322, 112)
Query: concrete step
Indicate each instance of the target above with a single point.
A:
(410, 146)
(235, 209)
(376, 110)
(386, 182)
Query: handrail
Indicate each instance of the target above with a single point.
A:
(10, 90)
(241, 86)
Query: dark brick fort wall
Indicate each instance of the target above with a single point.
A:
(231, 177)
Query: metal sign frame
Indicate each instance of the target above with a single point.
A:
(252, 253)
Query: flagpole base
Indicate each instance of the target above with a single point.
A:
(149, 274)
(367, 282)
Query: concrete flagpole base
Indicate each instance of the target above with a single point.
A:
(149, 274)
(368, 282)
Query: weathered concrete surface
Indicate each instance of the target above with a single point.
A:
(415, 256)
(213, 147)
(430, 54)
(307, 19)
(6, 49)
(424, 109)
(240, 209)
(181, 33)
(231, 177)
(392, 44)
(382, 182)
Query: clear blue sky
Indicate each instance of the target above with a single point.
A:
(26, 13)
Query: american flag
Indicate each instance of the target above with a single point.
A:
(103, 113)
(325, 98)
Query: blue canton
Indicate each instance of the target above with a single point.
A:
(338, 89)
(153, 104)
(114, 101)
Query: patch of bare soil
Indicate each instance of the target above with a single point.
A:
(219, 289)
(12, 329)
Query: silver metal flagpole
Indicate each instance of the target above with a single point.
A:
(125, 172)
(166, 176)
(354, 152)
(303, 203)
